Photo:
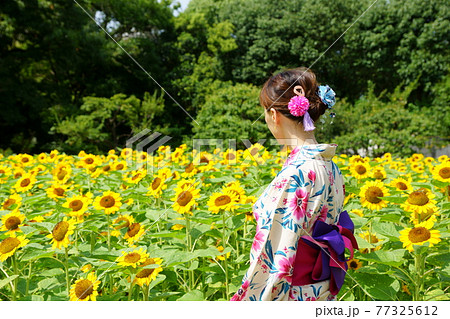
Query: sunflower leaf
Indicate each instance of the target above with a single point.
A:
(6, 281)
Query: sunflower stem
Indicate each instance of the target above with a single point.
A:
(108, 221)
(145, 292)
(130, 291)
(224, 245)
(14, 262)
(418, 262)
(188, 249)
(28, 279)
(66, 266)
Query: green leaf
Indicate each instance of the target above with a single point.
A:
(194, 295)
(6, 281)
(385, 257)
(395, 199)
(379, 287)
(387, 229)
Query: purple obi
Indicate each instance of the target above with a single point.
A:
(322, 256)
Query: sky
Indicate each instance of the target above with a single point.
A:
(184, 4)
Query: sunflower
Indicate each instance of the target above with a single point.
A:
(120, 166)
(417, 167)
(25, 183)
(371, 238)
(431, 214)
(147, 275)
(134, 232)
(156, 187)
(123, 221)
(237, 189)
(358, 212)
(354, 264)
(402, 184)
(189, 171)
(126, 153)
(177, 227)
(224, 256)
(135, 176)
(370, 195)
(356, 159)
(61, 232)
(78, 205)
(5, 171)
(9, 246)
(378, 173)
(420, 201)
(110, 202)
(86, 268)
(225, 200)
(177, 155)
(25, 159)
(14, 199)
(185, 198)
(441, 172)
(419, 235)
(57, 190)
(85, 288)
(89, 161)
(62, 172)
(133, 258)
(12, 221)
(360, 170)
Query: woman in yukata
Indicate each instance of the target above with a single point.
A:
(302, 231)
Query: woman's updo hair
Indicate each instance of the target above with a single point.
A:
(279, 89)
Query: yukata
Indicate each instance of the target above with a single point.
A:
(308, 188)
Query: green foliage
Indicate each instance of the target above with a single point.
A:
(374, 125)
(106, 122)
(230, 112)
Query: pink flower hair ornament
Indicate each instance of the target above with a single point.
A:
(299, 105)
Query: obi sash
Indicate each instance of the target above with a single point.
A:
(322, 256)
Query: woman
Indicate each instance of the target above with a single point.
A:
(302, 232)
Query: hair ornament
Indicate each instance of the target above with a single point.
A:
(299, 105)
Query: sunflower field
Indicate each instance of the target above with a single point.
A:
(178, 224)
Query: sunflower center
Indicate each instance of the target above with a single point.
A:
(203, 159)
(25, 182)
(444, 172)
(360, 169)
(189, 168)
(61, 174)
(12, 223)
(378, 175)
(76, 205)
(132, 258)
(373, 193)
(9, 244)
(89, 160)
(144, 273)
(402, 186)
(17, 175)
(9, 202)
(136, 176)
(60, 230)
(59, 191)
(419, 234)
(222, 200)
(156, 182)
(133, 229)
(106, 168)
(2, 172)
(230, 156)
(184, 198)
(25, 160)
(418, 198)
(107, 201)
(353, 264)
(119, 167)
(359, 160)
(84, 288)
(254, 151)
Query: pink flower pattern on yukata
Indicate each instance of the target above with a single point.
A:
(284, 212)
(299, 203)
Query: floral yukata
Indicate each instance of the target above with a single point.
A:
(308, 188)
